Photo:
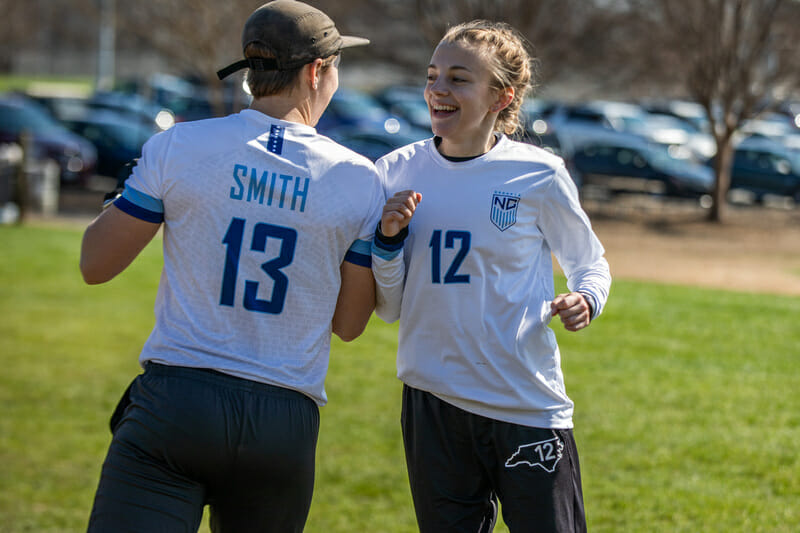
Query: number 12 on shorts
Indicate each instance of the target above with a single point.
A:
(234, 237)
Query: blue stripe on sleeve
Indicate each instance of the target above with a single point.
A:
(134, 210)
(358, 259)
(359, 253)
(361, 247)
(145, 201)
(386, 255)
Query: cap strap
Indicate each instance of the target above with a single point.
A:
(255, 63)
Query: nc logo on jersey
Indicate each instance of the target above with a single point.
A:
(545, 454)
(504, 210)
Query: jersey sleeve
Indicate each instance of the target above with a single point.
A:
(360, 251)
(141, 197)
(568, 232)
(388, 266)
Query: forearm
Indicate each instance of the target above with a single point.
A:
(355, 303)
(594, 283)
(389, 271)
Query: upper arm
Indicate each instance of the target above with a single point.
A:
(111, 242)
(356, 301)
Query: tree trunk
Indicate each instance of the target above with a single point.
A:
(722, 169)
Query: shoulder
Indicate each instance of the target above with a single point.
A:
(403, 155)
(336, 157)
(205, 126)
(197, 132)
(530, 153)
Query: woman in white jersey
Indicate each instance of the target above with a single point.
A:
(485, 414)
(267, 229)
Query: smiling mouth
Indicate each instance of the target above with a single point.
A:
(443, 110)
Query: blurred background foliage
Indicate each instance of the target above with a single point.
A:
(595, 47)
(735, 59)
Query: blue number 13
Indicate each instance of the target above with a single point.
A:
(261, 232)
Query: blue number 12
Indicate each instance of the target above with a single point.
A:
(261, 232)
(451, 276)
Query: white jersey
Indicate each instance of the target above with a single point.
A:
(258, 216)
(479, 278)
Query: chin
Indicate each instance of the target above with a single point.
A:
(440, 131)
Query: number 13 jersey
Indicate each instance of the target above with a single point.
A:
(258, 216)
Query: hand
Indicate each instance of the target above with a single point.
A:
(398, 211)
(573, 310)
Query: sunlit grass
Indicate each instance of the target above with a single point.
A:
(687, 411)
(76, 85)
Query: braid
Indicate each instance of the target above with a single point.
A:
(510, 63)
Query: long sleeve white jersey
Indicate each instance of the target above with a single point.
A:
(479, 277)
(258, 216)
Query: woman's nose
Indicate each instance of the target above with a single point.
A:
(439, 86)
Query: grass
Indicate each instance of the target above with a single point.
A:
(79, 85)
(687, 412)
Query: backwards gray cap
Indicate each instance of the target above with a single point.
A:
(295, 32)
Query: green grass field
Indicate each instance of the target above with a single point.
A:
(687, 404)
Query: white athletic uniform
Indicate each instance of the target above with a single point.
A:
(260, 263)
(479, 278)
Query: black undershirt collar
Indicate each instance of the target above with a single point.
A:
(438, 140)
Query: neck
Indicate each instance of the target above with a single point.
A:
(471, 147)
(284, 107)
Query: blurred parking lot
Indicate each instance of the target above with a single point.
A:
(660, 149)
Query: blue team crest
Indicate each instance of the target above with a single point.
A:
(504, 210)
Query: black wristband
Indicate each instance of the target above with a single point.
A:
(390, 242)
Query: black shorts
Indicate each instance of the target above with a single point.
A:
(186, 437)
(460, 464)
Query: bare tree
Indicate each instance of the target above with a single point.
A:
(49, 25)
(556, 29)
(199, 36)
(735, 57)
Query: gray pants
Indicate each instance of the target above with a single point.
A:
(184, 438)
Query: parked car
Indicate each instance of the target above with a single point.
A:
(359, 110)
(536, 128)
(627, 164)
(132, 106)
(683, 140)
(763, 166)
(117, 139)
(135, 107)
(691, 112)
(407, 102)
(373, 143)
(76, 157)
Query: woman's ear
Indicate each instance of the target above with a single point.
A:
(314, 73)
(504, 97)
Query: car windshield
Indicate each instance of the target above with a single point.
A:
(668, 121)
(16, 118)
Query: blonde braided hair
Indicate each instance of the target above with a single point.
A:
(510, 63)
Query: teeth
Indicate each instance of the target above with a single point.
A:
(444, 108)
